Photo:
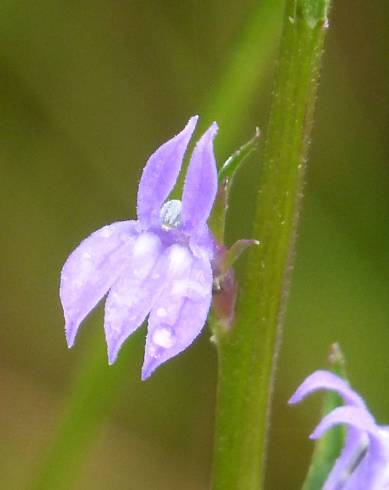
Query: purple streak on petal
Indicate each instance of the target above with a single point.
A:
(370, 471)
(370, 474)
(160, 174)
(132, 296)
(200, 183)
(320, 380)
(179, 315)
(346, 459)
(375, 464)
(91, 269)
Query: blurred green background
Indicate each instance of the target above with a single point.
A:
(88, 90)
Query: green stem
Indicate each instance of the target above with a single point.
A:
(247, 353)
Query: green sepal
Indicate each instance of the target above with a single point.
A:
(328, 447)
(235, 251)
(217, 220)
(233, 163)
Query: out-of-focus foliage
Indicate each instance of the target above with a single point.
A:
(88, 90)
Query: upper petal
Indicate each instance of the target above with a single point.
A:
(132, 296)
(181, 310)
(91, 269)
(320, 380)
(160, 174)
(200, 183)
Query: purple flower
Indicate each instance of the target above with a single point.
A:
(364, 460)
(158, 266)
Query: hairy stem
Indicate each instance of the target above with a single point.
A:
(247, 353)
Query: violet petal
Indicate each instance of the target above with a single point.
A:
(91, 269)
(350, 415)
(160, 175)
(371, 473)
(132, 295)
(180, 312)
(320, 380)
(346, 459)
(370, 470)
(200, 182)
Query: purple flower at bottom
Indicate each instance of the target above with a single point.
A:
(363, 463)
(158, 266)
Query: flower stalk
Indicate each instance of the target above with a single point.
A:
(247, 353)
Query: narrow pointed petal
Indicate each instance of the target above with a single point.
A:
(160, 175)
(200, 183)
(320, 380)
(91, 269)
(132, 296)
(180, 313)
(357, 417)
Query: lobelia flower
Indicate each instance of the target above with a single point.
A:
(158, 266)
(363, 463)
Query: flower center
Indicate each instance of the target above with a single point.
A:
(170, 214)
